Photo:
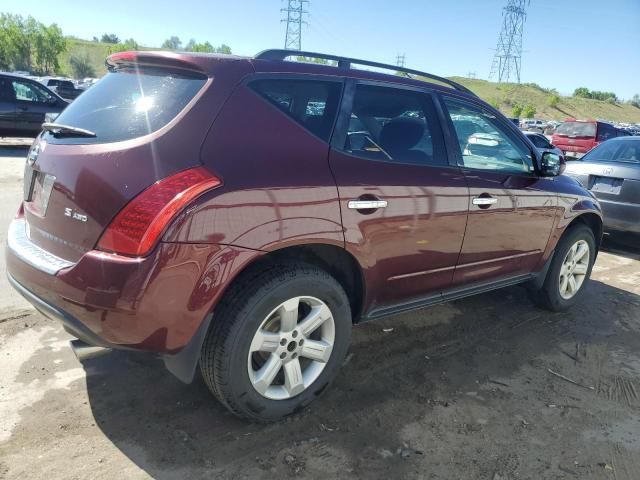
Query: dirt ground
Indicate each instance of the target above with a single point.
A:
(483, 388)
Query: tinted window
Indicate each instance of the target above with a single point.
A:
(483, 142)
(538, 141)
(619, 151)
(127, 104)
(577, 129)
(311, 103)
(30, 92)
(395, 125)
(605, 132)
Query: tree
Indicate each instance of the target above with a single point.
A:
(226, 49)
(635, 100)
(529, 111)
(554, 100)
(516, 111)
(109, 38)
(26, 44)
(172, 43)
(81, 65)
(582, 92)
(126, 46)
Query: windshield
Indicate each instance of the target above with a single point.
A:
(577, 129)
(129, 103)
(626, 151)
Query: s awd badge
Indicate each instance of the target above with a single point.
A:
(69, 212)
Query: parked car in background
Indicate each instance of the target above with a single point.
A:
(62, 86)
(533, 125)
(542, 144)
(25, 104)
(611, 171)
(576, 137)
(243, 225)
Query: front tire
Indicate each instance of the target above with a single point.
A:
(278, 339)
(570, 270)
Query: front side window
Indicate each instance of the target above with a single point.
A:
(311, 103)
(394, 125)
(30, 92)
(483, 143)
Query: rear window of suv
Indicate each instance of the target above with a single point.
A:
(129, 103)
(577, 129)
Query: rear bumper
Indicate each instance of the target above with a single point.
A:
(620, 216)
(156, 303)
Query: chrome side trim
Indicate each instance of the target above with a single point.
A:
(20, 244)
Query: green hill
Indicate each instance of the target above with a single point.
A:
(503, 96)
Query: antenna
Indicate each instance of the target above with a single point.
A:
(295, 13)
(507, 61)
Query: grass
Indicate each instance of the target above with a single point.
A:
(505, 95)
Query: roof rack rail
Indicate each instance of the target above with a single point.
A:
(345, 62)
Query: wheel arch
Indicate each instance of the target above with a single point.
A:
(335, 260)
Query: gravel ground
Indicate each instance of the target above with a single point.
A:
(484, 388)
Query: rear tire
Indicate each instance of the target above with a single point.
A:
(570, 270)
(278, 338)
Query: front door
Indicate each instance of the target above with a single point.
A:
(404, 207)
(32, 103)
(511, 210)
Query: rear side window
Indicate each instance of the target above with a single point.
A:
(311, 103)
(129, 103)
(538, 141)
(605, 132)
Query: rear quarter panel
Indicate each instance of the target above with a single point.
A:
(277, 188)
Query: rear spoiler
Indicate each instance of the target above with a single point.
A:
(172, 60)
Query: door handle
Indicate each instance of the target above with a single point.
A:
(485, 202)
(367, 204)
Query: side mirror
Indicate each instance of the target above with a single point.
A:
(552, 164)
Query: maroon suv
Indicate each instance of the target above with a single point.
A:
(240, 214)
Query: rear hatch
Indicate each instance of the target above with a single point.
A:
(149, 115)
(575, 136)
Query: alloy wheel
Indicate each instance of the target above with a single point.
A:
(291, 348)
(574, 269)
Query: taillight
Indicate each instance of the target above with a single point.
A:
(139, 225)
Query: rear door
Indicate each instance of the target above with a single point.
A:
(7, 105)
(404, 207)
(510, 212)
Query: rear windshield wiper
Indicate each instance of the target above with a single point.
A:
(57, 129)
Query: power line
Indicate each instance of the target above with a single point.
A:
(507, 60)
(294, 17)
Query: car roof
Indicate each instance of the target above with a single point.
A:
(264, 63)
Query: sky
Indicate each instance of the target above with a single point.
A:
(567, 43)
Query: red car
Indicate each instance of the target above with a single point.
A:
(239, 215)
(576, 137)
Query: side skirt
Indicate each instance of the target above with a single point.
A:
(450, 295)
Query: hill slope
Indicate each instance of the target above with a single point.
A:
(504, 96)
